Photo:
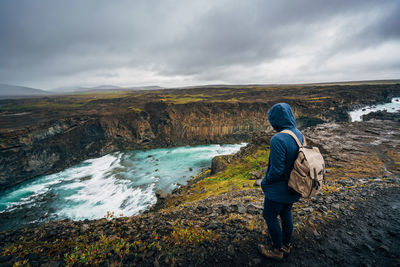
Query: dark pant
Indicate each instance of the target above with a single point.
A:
(271, 211)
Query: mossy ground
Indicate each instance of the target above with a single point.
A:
(358, 167)
(236, 177)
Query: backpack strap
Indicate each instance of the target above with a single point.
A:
(295, 138)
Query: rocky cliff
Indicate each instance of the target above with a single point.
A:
(52, 146)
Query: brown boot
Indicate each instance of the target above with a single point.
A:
(275, 253)
(286, 249)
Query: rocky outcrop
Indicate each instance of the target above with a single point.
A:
(358, 149)
(382, 115)
(219, 163)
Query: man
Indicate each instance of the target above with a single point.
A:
(278, 198)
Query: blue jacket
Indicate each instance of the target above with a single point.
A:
(283, 153)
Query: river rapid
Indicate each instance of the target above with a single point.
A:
(123, 183)
(393, 106)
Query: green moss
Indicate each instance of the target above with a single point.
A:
(318, 98)
(190, 235)
(234, 177)
(230, 100)
(178, 99)
(88, 249)
(40, 105)
(136, 110)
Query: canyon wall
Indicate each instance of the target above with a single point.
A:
(56, 145)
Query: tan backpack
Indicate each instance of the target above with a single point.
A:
(309, 169)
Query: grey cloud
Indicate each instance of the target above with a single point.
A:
(55, 41)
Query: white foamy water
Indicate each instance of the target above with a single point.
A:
(123, 183)
(393, 106)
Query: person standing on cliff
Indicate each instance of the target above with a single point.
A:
(278, 199)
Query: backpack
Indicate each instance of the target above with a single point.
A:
(308, 170)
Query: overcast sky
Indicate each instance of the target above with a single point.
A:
(50, 43)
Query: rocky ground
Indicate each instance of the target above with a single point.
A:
(382, 115)
(353, 221)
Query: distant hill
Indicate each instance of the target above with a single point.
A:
(105, 87)
(101, 88)
(7, 90)
(150, 87)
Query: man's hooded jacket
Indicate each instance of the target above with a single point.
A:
(283, 153)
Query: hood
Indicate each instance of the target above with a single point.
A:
(281, 117)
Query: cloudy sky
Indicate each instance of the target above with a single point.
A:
(50, 43)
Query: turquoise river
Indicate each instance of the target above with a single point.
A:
(123, 183)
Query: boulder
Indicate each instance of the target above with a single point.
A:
(258, 175)
(254, 209)
(220, 163)
(257, 182)
(160, 195)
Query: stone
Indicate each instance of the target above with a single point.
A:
(219, 163)
(308, 209)
(222, 208)
(232, 188)
(336, 206)
(253, 208)
(257, 182)
(246, 185)
(385, 248)
(85, 227)
(160, 194)
(258, 175)
(239, 208)
(212, 226)
(231, 250)
(202, 208)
